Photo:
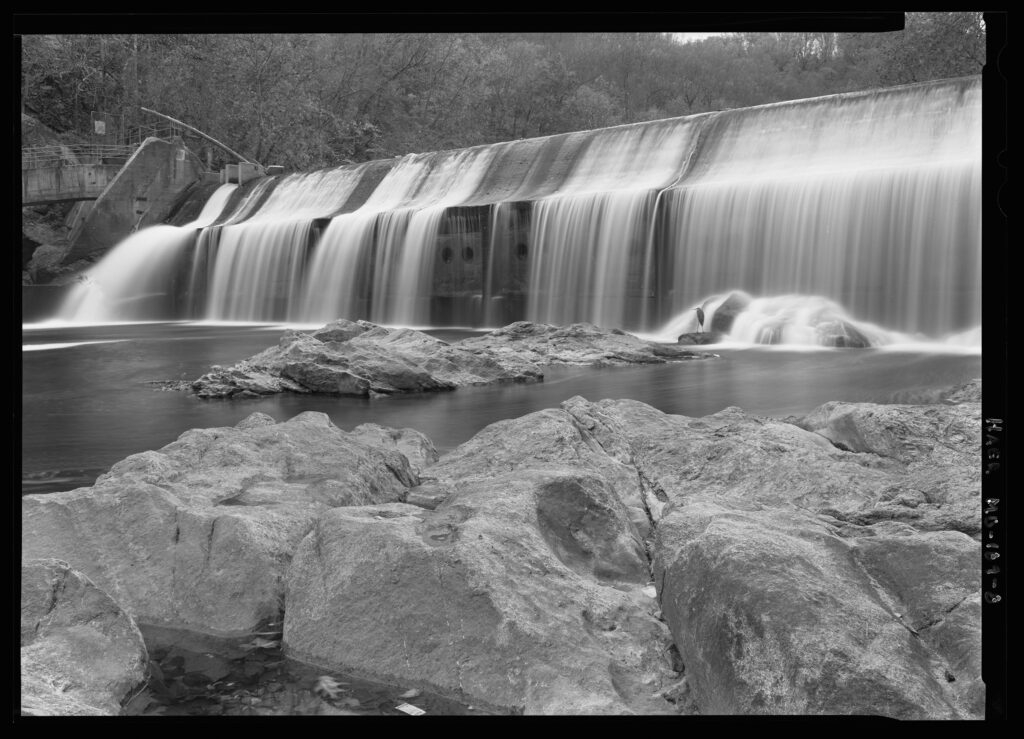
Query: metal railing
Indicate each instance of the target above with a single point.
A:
(72, 155)
(39, 157)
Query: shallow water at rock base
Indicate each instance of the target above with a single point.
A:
(195, 674)
(89, 405)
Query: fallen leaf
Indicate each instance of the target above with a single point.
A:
(413, 693)
(327, 686)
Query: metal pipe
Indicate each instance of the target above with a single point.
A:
(205, 136)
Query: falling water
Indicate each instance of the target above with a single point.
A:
(860, 210)
(132, 281)
(399, 221)
(256, 268)
(871, 200)
(591, 238)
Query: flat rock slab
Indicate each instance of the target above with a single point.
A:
(363, 359)
(81, 654)
(199, 533)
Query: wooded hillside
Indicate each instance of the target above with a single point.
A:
(309, 101)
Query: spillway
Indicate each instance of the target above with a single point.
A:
(869, 201)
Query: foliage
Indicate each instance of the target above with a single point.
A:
(308, 101)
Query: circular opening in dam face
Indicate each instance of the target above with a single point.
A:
(446, 255)
(521, 251)
(467, 254)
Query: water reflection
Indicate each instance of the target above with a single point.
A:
(88, 406)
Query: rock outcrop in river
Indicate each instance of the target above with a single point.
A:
(599, 557)
(363, 359)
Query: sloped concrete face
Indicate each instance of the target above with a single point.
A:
(142, 193)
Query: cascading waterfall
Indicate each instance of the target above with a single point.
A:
(859, 210)
(257, 269)
(590, 236)
(401, 218)
(871, 200)
(131, 282)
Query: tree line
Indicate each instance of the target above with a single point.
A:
(308, 101)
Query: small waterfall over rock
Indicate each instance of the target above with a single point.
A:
(872, 200)
(864, 207)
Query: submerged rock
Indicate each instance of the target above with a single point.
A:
(362, 359)
(199, 533)
(725, 314)
(81, 654)
(841, 334)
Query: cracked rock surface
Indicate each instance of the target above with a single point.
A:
(822, 566)
(199, 533)
(363, 359)
(81, 654)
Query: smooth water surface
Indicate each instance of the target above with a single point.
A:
(86, 405)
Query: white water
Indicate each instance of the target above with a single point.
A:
(862, 208)
(592, 239)
(802, 321)
(131, 281)
(874, 201)
(256, 269)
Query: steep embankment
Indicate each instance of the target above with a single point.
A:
(45, 228)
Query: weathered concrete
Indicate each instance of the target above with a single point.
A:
(141, 194)
(44, 185)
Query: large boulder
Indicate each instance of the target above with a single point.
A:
(925, 475)
(522, 591)
(81, 654)
(776, 611)
(826, 566)
(199, 533)
(935, 447)
(360, 358)
(801, 576)
(725, 314)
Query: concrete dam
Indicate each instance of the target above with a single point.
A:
(865, 206)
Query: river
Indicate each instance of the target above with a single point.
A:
(88, 398)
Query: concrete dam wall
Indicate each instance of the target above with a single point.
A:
(870, 200)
